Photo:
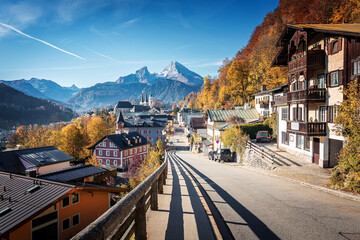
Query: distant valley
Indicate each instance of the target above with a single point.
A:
(171, 85)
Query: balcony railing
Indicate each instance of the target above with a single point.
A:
(264, 105)
(307, 128)
(280, 100)
(314, 58)
(318, 95)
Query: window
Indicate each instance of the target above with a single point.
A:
(135, 150)
(115, 153)
(111, 144)
(294, 114)
(131, 152)
(299, 112)
(334, 78)
(144, 148)
(100, 161)
(149, 131)
(285, 138)
(107, 153)
(100, 152)
(322, 114)
(75, 198)
(104, 144)
(284, 113)
(76, 219)
(307, 144)
(65, 202)
(356, 66)
(125, 152)
(335, 112)
(330, 115)
(334, 46)
(115, 162)
(299, 141)
(65, 224)
(321, 81)
(107, 162)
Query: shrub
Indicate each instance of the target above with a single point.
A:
(252, 129)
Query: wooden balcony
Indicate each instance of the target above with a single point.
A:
(314, 59)
(307, 128)
(280, 100)
(307, 95)
(264, 105)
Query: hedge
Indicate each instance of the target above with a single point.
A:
(252, 129)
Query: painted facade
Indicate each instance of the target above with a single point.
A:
(317, 56)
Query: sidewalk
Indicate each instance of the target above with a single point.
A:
(182, 213)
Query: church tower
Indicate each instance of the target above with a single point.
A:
(151, 101)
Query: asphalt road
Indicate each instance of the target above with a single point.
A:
(258, 206)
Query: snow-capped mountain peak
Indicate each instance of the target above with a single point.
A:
(177, 71)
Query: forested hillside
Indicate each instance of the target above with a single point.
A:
(17, 108)
(243, 75)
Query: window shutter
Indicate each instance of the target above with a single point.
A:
(328, 80)
(329, 48)
(328, 114)
(340, 76)
(339, 44)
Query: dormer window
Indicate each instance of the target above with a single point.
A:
(139, 140)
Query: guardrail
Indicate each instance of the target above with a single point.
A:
(266, 156)
(128, 216)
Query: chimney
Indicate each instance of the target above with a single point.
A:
(263, 87)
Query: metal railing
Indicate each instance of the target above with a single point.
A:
(265, 155)
(128, 216)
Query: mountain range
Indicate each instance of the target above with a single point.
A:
(170, 85)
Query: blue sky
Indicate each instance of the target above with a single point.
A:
(84, 42)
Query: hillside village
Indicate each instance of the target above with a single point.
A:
(268, 149)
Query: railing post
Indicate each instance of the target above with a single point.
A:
(164, 177)
(154, 196)
(160, 184)
(140, 219)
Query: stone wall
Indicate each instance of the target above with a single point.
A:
(253, 159)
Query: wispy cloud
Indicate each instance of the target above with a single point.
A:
(39, 40)
(21, 14)
(129, 23)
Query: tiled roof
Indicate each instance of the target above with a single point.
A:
(12, 161)
(146, 122)
(123, 104)
(140, 108)
(197, 122)
(121, 140)
(221, 115)
(21, 198)
(72, 174)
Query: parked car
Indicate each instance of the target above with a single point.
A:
(263, 136)
(223, 155)
(211, 155)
